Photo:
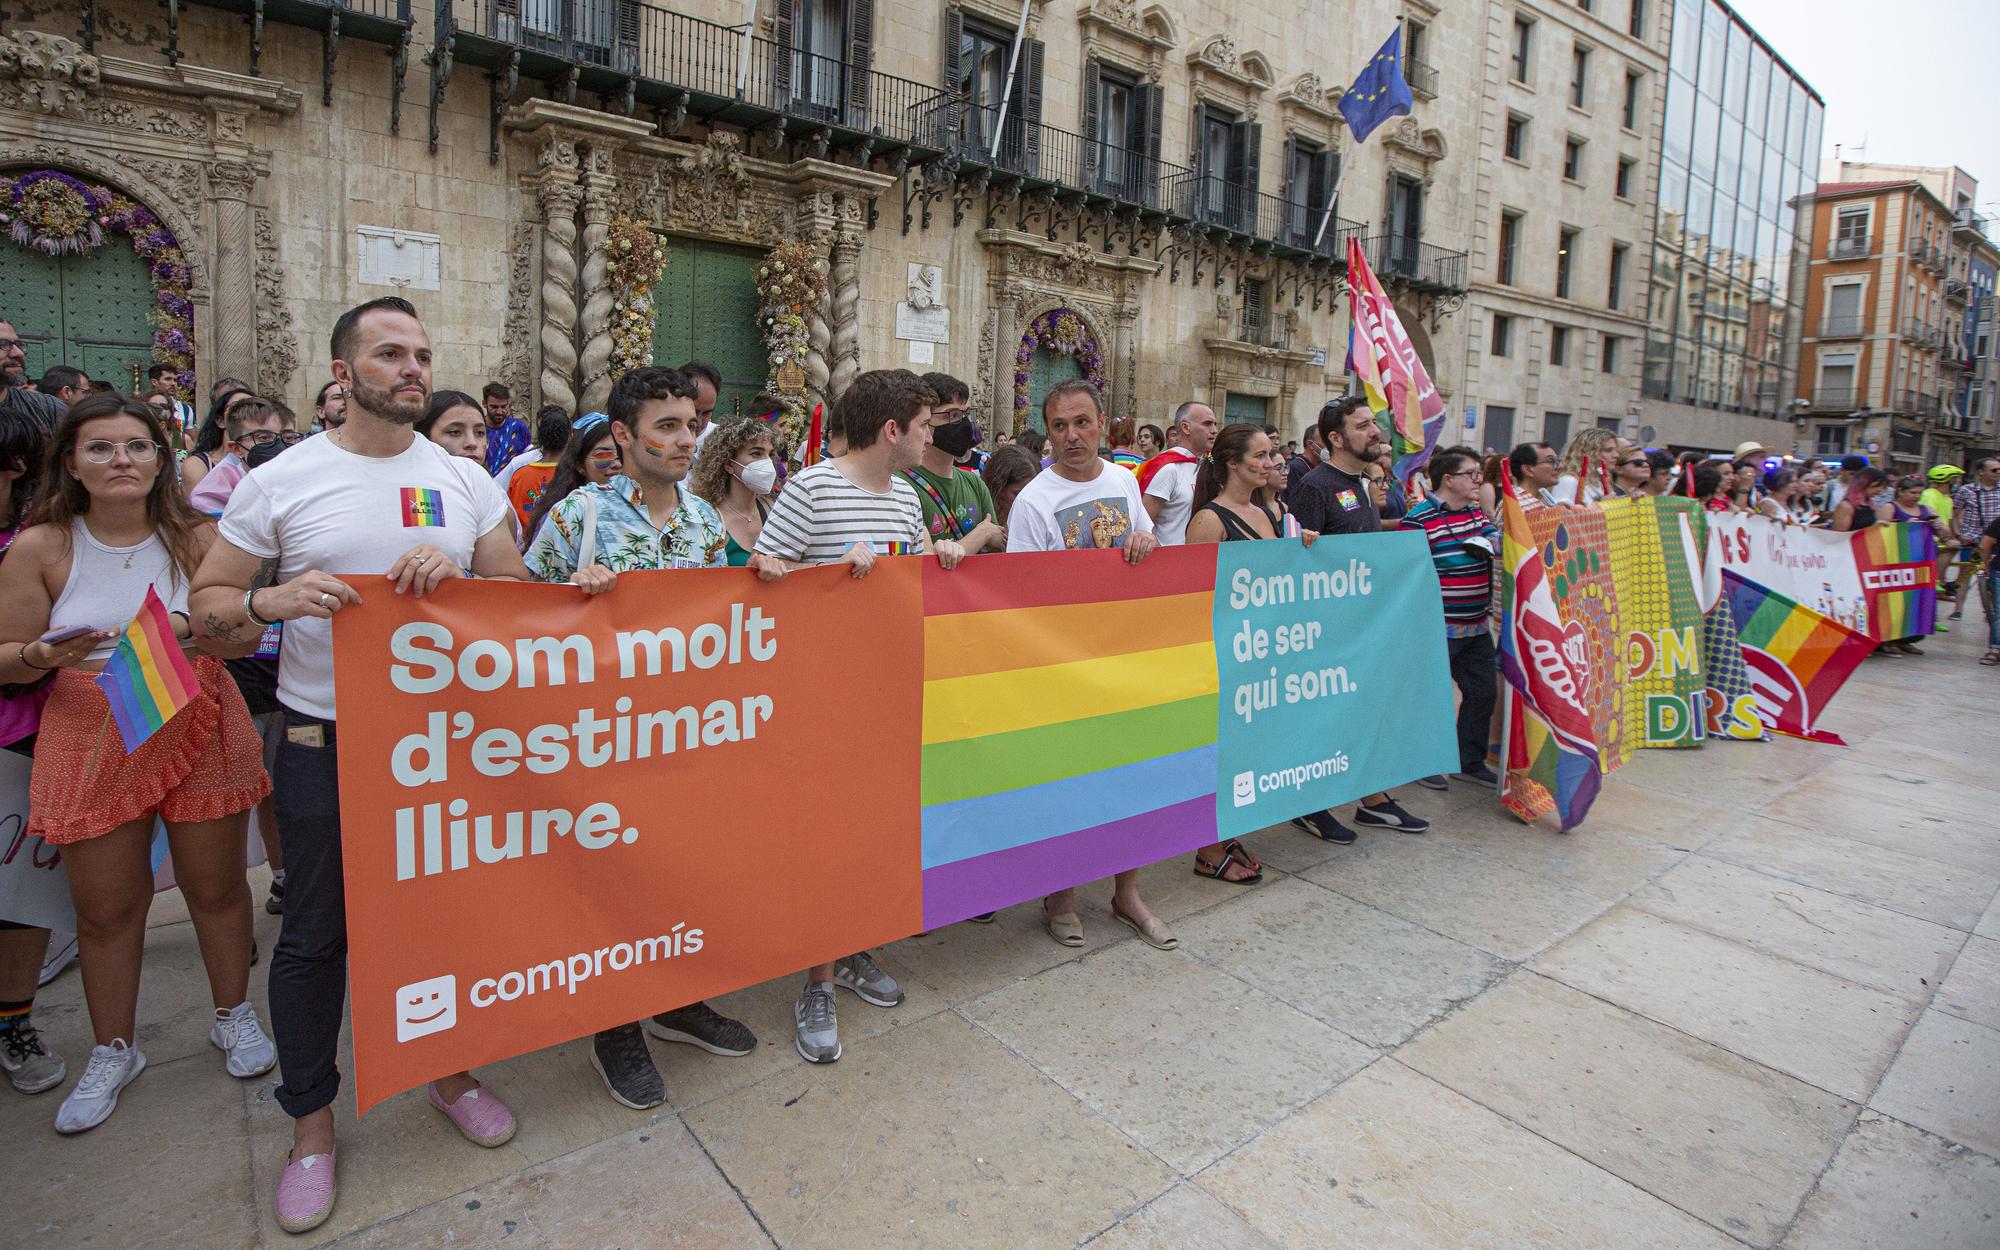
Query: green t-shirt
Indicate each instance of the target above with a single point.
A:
(1939, 502)
(963, 495)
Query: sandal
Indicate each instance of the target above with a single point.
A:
(1991, 658)
(1153, 932)
(1066, 928)
(1232, 852)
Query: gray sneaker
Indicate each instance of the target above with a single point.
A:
(621, 1058)
(28, 1063)
(875, 987)
(818, 1033)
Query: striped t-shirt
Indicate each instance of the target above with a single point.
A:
(820, 514)
(1465, 573)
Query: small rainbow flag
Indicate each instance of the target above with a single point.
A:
(1064, 726)
(1797, 657)
(148, 679)
(422, 506)
(1898, 567)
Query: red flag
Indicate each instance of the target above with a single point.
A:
(815, 434)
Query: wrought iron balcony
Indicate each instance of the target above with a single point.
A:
(1212, 201)
(1406, 257)
(1913, 331)
(1847, 327)
(1849, 249)
(1049, 154)
(1422, 77)
(375, 21)
(1836, 398)
(1971, 221)
(1957, 289)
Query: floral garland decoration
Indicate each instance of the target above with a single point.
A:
(790, 282)
(638, 260)
(1062, 331)
(55, 212)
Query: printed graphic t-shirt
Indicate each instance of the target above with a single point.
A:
(1329, 501)
(963, 494)
(321, 507)
(1053, 513)
(821, 514)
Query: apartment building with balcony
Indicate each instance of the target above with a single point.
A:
(1567, 170)
(1883, 355)
(1161, 172)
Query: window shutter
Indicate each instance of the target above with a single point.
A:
(628, 24)
(1151, 101)
(1317, 200)
(860, 58)
(1295, 194)
(954, 109)
(781, 55)
(1093, 152)
(1029, 90)
(1253, 160)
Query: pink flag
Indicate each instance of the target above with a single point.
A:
(1397, 385)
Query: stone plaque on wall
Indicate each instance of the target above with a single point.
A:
(404, 259)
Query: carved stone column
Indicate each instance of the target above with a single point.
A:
(229, 184)
(557, 189)
(594, 332)
(1122, 369)
(815, 227)
(844, 286)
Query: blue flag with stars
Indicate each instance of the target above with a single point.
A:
(1380, 92)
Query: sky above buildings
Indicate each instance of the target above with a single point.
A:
(1913, 81)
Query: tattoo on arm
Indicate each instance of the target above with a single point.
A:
(267, 574)
(222, 630)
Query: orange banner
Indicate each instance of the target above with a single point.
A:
(633, 802)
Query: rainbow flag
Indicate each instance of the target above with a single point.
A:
(423, 507)
(1797, 657)
(1898, 567)
(147, 680)
(1069, 716)
(1379, 351)
(1549, 743)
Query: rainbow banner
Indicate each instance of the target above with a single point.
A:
(1069, 726)
(1549, 743)
(1656, 550)
(1797, 657)
(147, 679)
(1898, 565)
(1379, 352)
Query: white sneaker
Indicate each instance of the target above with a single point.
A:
(95, 1097)
(62, 953)
(240, 1035)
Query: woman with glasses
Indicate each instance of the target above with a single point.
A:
(592, 456)
(1632, 472)
(110, 526)
(251, 424)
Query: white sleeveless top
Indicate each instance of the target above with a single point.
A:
(107, 585)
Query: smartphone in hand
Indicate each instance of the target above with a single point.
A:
(68, 633)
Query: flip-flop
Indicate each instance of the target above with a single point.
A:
(1066, 928)
(1219, 871)
(1153, 932)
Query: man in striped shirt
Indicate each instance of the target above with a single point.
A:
(1463, 541)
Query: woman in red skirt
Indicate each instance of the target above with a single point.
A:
(110, 523)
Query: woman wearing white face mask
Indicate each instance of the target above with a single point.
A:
(737, 471)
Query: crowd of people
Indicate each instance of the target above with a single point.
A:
(236, 519)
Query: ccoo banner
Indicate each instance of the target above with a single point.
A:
(567, 813)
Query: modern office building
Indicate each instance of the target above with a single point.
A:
(1565, 176)
(1739, 145)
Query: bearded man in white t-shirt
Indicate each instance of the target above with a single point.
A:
(366, 497)
(1168, 478)
(1083, 501)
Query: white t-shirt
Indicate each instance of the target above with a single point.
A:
(1174, 485)
(1053, 513)
(321, 507)
(820, 514)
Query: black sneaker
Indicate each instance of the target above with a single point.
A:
(1435, 781)
(698, 1024)
(274, 902)
(1387, 815)
(1478, 773)
(621, 1058)
(1322, 825)
(985, 917)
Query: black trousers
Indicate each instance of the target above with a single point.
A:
(1474, 667)
(309, 966)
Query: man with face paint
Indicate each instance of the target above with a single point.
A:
(957, 505)
(642, 519)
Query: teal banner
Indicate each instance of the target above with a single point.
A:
(1333, 679)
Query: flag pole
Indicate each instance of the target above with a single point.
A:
(1333, 200)
(1007, 92)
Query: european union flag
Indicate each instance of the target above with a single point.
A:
(1380, 92)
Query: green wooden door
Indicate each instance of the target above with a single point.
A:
(1047, 369)
(1248, 409)
(91, 311)
(705, 308)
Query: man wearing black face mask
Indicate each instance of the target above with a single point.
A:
(957, 505)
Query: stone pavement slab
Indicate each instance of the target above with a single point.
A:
(1369, 974)
(1724, 1139)
(1188, 1061)
(1866, 945)
(1947, 1081)
(1926, 888)
(1972, 989)
(933, 1135)
(1392, 1160)
(1917, 823)
(1894, 1186)
(1185, 1216)
(1819, 1028)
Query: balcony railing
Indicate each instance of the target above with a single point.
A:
(1836, 398)
(1413, 260)
(1846, 327)
(1969, 220)
(1422, 77)
(1957, 289)
(1849, 249)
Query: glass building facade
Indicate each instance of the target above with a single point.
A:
(1740, 143)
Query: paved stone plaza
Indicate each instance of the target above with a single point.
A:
(1756, 1000)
